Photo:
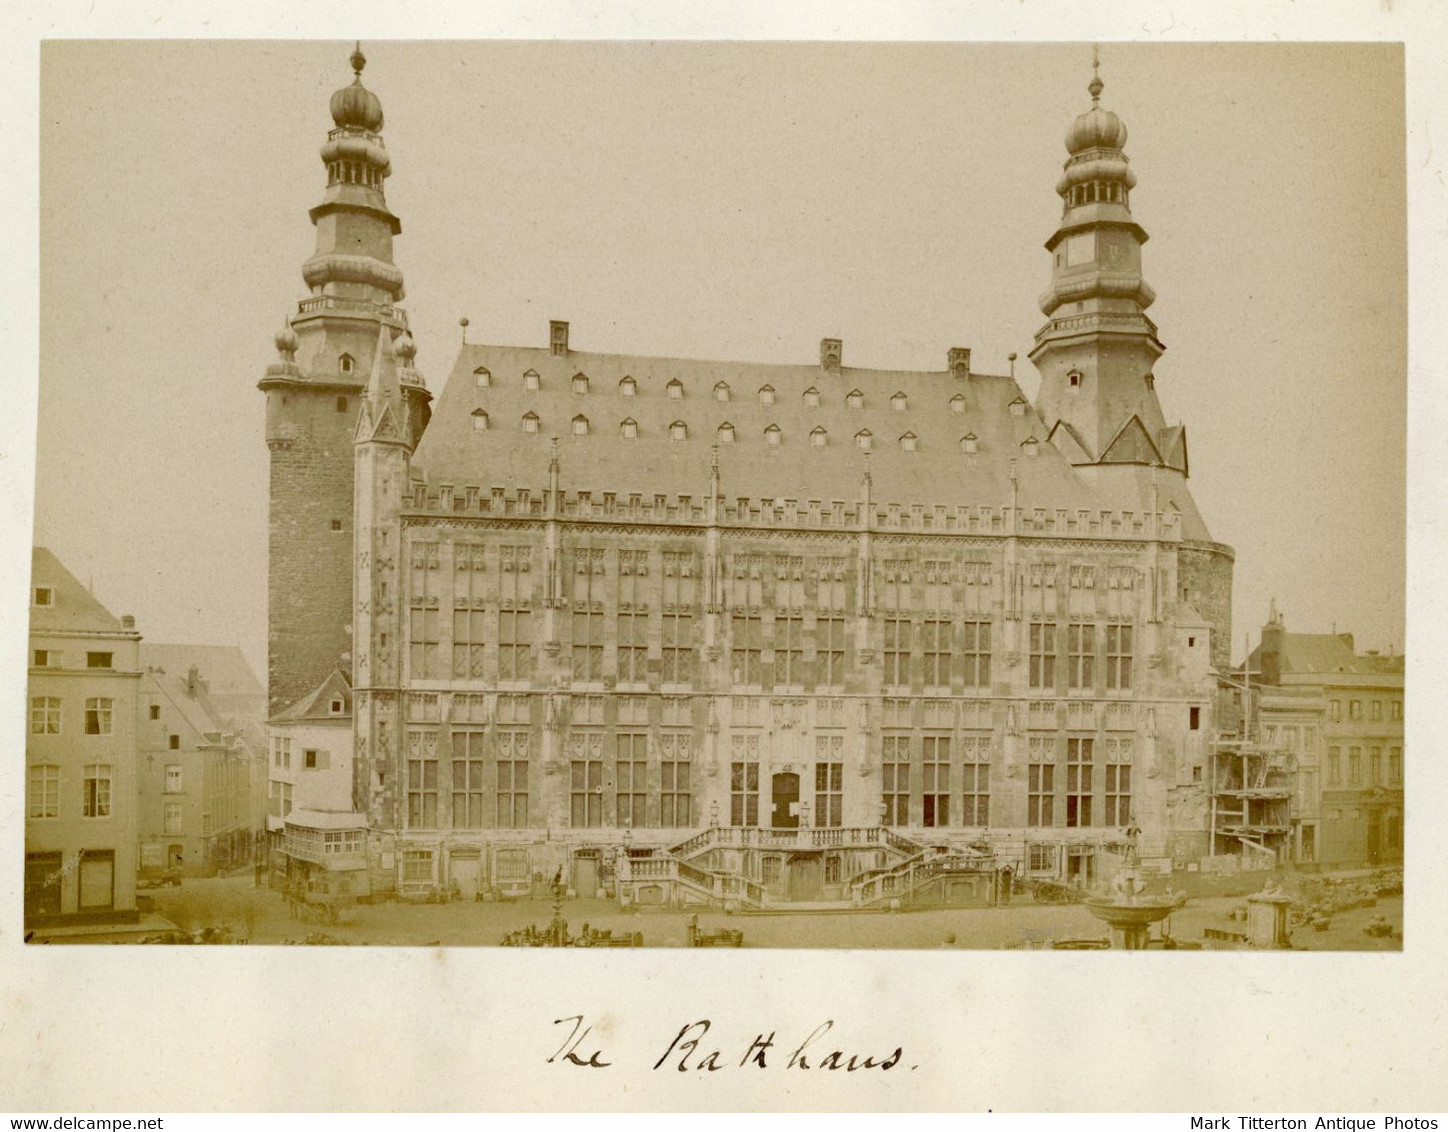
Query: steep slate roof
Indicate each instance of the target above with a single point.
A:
(223, 667)
(315, 706)
(938, 471)
(197, 712)
(1326, 653)
(75, 609)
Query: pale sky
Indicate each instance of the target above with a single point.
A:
(722, 201)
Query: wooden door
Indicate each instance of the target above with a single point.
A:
(785, 809)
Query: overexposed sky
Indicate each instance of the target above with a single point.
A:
(722, 201)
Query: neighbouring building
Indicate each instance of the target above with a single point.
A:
(1332, 720)
(195, 775)
(80, 754)
(704, 627)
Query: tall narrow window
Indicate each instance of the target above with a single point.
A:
(1334, 766)
(747, 650)
(586, 781)
(935, 646)
(1079, 756)
(1118, 657)
(830, 651)
(975, 783)
(975, 653)
(788, 650)
(935, 785)
(587, 647)
(45, 715)
(829, 790)
(511, 795)
(98, 715)
(744, 785)
(42, 792)
(469, 634)
(675, 808)
(1081, 657)
(633, 648)
(422, 780)
(1118, 782)
(897, 652)
(96, 791)
(469, 767)
(895, 779)
(630, 779)
(1043, 655)
(515, 644)
(1040, 795)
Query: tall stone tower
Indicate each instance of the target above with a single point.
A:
(1096, 352)
(313, 393)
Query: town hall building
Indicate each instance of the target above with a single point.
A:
(748, 632)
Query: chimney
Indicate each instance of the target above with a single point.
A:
(192, 681)
(128, 622)
(558, 338)
(1269, 651)
(832, 353)
(958, 361)
(1346, 638)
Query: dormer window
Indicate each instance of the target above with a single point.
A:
(907, 442)
(44, 595)
(772, 435)
(957, 403)
(1031, 445)
(969, 443)
(721, 391)
(482, 378)
(480, 420)
(530, 380)
(899, 402)
(675, 389)
(678, 431)
(1018, 407)
(530, 422)
(766, 395)
(812, 397)
(346, 364)
(726, 433)
(337, 706)
(1151, 381)
(863, 439)
(580, 383)
(818, 437)
(627, 386)
(629, 428)
(580, 425)
(1074, 379)
(855, 399)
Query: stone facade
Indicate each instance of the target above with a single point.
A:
(793, 624)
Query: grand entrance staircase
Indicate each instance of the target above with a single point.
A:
(690, 872)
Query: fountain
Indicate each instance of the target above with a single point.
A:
(1128, 912)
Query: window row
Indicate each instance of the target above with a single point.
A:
(46, 715)
(1372, 772)
(42, 791)
(1375, 710)
(722, 392)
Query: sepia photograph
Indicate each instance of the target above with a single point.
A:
(813, 558)
(686, 566)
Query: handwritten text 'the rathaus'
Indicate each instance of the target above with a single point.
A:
(688, 1051)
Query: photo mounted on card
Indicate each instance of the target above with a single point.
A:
(720, 495)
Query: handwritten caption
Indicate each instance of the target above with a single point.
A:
(689, 1051)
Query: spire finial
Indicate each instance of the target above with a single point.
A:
(1096, 85)
(714, 459)
(358, 60)
(553, 454)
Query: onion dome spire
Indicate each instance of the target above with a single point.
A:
(355, 105)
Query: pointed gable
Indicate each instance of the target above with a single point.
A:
(1173, 447)
(331, 699)
(1131, 445)
(1064, 437)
